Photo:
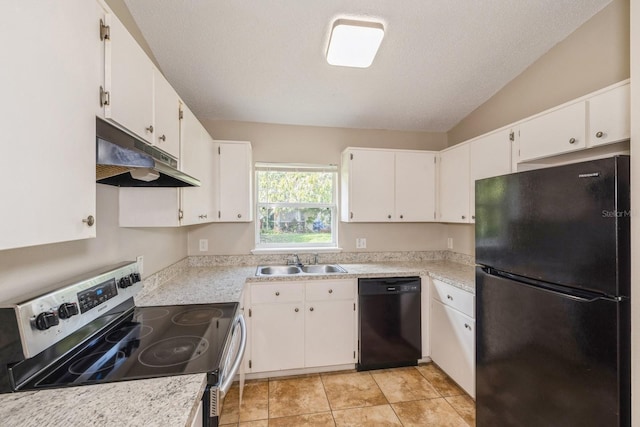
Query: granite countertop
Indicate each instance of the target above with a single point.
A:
(169, 401)
(174, 400)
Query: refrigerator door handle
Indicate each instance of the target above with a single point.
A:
(563, 292)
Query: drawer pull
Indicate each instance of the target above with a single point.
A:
(572, 141)
(277, 294)
(330, 291)
(450, 297)
(466, 325)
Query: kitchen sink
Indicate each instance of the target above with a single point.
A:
(322, 269)
(277, 270)
(288, 270)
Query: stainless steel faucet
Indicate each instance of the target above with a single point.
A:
(295, 260)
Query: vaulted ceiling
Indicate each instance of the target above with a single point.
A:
(264, 60)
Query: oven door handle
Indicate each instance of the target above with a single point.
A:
(226, 382)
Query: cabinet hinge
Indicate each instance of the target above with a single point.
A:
(105, 31)
(180, 214)
(218, 150)
(350, 215)
(180, 114)
(435, 159)
(249, 364)
(434, 215)
(218, 214)
(354, 306)
(104, 97)
(351, 156)
(512, 136)
(249, 312)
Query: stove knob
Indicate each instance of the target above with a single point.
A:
(67, 309)
(125, 282)
(46, 320)
(135, 278)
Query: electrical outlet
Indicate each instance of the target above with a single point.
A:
(450, 243)
(140, 261)
(204, 245)
(361, 243)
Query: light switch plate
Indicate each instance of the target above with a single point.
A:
(204, 245)
(450, 243)
(140, 261)
(361, 243)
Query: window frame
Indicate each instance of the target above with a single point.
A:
(297, 167)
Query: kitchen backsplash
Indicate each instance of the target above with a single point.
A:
(331, 258)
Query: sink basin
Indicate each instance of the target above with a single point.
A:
(278, 270)
(322, 269)
(288, 270)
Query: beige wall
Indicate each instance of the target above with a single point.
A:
(26, 270)
(322, 145)
(635, 207)
(594, 56)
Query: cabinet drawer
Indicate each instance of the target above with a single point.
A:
(325, 290)
(458, 299)
(277, 292)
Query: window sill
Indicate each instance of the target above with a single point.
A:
(305, 250)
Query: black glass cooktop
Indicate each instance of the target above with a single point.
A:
(150, 342)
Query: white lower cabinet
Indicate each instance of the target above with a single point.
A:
(297, 325)
(453, 334)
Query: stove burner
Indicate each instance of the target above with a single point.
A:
(173, 351)
(198, 316)
(95, 362)
(151, 314)
(129, 333)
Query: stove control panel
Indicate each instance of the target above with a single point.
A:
(47, 319)
(96, 295)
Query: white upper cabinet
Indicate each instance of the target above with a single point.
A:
(166, 127)
(370, 188)
(233, 188)
(591, 121)
(489, 156)
(197, 159)
(609, 116)
(52, 68)
(387, 185)
(138, 97)
(454, 184)
(128, 82)
(415, 190)
(560, 131)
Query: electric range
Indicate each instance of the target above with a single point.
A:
(88, 331)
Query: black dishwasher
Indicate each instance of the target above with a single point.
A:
(389, 322)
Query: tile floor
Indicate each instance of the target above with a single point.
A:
(413, 396)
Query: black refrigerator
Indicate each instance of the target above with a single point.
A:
(552, 293)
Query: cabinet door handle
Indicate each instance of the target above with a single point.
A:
(162, 138)
(239, 216)
(473, 217)
(296, 310)
(90, 220)
(401, 216)
(389, 216)
(330, 291)
(572, 141)
(277, 293)
(150, 129)
(466, 325)
(464, 217)
(599, 134)
(311, 309)
(450, 297)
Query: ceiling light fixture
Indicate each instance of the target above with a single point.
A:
(354, 43)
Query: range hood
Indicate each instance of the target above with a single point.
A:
(125, 161)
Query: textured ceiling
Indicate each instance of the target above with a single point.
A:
(264, 60)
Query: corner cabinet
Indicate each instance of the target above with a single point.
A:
(452, 333)
(50, 88)
(454, 184)
(173, 207)
(233, 187)
(381, 185)
(296, 325)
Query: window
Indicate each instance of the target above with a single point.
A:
(296, 206)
